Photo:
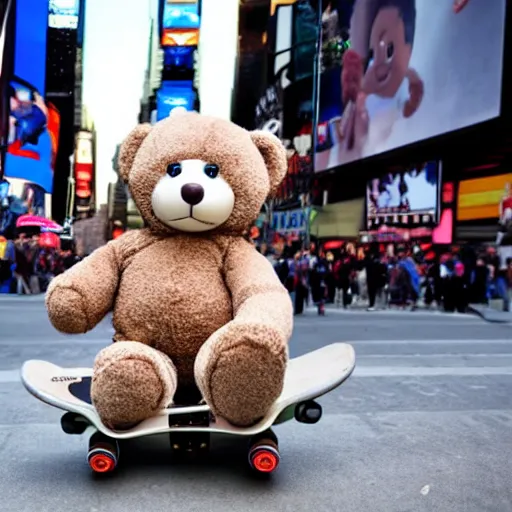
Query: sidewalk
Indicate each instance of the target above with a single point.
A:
(12, 297)
(491, 314)
(488, 313)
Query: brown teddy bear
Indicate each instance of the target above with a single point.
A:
(193, 302)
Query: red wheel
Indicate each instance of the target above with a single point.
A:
(103, 453)
(264, 458)
(102, 461)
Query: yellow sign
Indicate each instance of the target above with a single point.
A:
(274, 4)
(480, 198)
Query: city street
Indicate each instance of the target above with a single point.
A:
(424, 424)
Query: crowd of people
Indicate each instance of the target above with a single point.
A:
(350, 276)
(27, 265)
(403, 277)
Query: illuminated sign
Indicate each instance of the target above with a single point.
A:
(177, 37)
(63, 14)
(480, 198)
(290, 221)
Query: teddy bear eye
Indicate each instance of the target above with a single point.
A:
(174, 170)
(211, 170)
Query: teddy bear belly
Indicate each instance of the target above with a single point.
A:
(173, 315)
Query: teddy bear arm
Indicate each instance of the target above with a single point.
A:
(240, 369)
(79, 299)
(257, 293)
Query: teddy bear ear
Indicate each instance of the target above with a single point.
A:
(274, 155)
(129, 149)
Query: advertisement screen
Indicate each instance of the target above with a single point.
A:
(180, 16)
(404, 198)
(179, 57)
(63, 14)
(180, 37)
(173, 95)
(30, 148)
(17, 198)
(7, 19)
(485, 198)
(84, 173)
(178, 63)
(415, 69)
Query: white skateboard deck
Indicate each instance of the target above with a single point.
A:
(307, 377)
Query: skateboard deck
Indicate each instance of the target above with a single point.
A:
(307, 377)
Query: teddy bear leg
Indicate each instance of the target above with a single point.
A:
(131, 382)
(240, 381)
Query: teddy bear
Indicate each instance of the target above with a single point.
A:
(194, 304)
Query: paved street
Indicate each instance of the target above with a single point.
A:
(424, 424)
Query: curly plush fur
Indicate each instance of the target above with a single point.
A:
(203, 308)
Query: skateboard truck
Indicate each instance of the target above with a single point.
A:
(73, 423)
(308, 412)
(190, 444)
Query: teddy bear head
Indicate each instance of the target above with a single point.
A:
(194, 173)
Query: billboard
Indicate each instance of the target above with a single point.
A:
(7, 28)
(180, 16)
(179, 63)
(485, 198)
(64, 14)
(180, 37)
(84, 173)
(174, 94)
(17, 198)
(416, 69)
(31, 146)
(406, 198)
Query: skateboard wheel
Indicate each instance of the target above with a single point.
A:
(308, 412)
(103, 453)
(264, 458)
(102, 461)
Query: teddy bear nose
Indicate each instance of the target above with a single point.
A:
(192, 193)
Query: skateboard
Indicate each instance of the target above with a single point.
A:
(189, 427)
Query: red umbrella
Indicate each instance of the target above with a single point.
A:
(49, 240)
(33, 221)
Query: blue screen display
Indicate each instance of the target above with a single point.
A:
(179, 56)
(29, 154)
(176, 94)
(184, 16)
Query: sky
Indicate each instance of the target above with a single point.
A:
(115, 58)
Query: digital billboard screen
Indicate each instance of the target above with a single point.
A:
(64, 14)
(485, 198)
(172, 95)
(180, 37)
(180, 16)
(416, 69)
(406, 198)
(7, 27)
(31, 147)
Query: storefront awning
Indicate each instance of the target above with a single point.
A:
(343, 220)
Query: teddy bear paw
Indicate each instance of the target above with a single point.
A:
(66, 310)
(246, 380)
(131, 382)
